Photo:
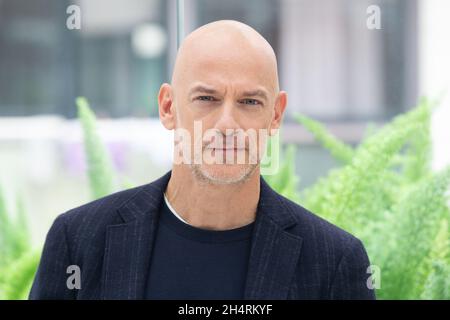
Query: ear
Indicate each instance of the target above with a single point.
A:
(280, 106)
(166, 106)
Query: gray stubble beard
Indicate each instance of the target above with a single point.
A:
(204, 177)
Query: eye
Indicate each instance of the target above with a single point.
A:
(205, 98)
(250, 101)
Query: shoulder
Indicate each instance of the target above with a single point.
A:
(102, 209)
(86, 225)
(319, 234)
(83, 229)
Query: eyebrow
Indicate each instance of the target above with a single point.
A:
(203, 89)
(252, 93)
(256, 93)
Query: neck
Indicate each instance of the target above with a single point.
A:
(213, 206)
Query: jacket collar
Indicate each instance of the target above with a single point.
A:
(273, 256)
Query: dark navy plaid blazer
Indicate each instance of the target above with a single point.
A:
(294, 253)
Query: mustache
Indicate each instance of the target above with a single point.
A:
(227, 142)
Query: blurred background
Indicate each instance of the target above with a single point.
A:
(334, 68)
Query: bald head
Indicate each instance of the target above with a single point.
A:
(229, 47)
(225, 80)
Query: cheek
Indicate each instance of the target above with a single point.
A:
(185, 116)
(261, 121)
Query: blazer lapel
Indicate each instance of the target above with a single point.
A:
(273, 256)
(274, 252)
(129, 245)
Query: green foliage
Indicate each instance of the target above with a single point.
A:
(19, 276)
(102, 177)
(338, 149)
(285, 181)
(437, 266)
(415, 222)
(368, 178)
(386, 194)
(18, 260)
(13, 232)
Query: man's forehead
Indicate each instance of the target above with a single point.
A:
(231, 75)
(221, 78)
(206, 55)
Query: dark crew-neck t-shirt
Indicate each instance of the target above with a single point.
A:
(193, 263)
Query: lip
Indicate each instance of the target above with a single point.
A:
(225, 149)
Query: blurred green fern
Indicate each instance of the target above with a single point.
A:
(338, 149)
(286, 182)
(17, 269)
(386, 194)
(102, 177)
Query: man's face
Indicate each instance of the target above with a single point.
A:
(231, 93)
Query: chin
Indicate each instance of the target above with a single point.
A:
(224, 173)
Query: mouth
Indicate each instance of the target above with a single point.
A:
(227, 149)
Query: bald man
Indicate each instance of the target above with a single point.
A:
(211, 228)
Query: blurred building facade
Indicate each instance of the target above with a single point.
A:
(333, 67)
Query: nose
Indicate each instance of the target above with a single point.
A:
(227, 119)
